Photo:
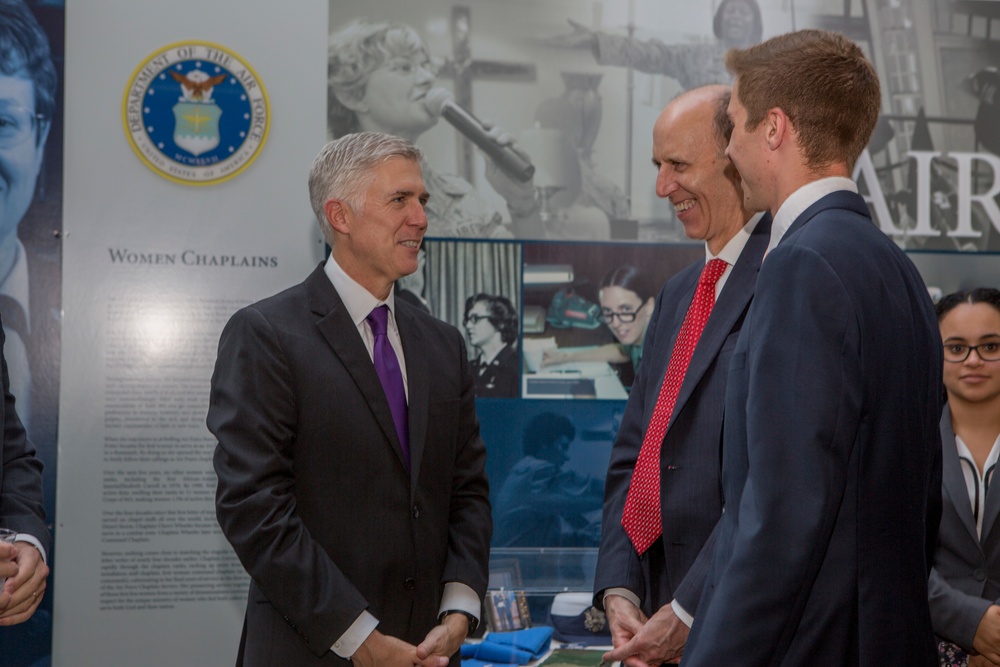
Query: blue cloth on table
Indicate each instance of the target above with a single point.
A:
(472, 662)
(518, 647)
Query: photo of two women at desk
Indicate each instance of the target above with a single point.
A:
(586, 309)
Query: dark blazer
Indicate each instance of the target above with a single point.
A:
(501, 378)
(690, 457)
(831, 457)
(20, 472)
(965, 580)
(313, 490)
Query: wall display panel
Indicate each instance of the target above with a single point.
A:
(578, 86)
(152, 270)
(31, 159)
(563, 79)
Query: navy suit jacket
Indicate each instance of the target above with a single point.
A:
(831, 458)
(965, 580)
(690, 500)
(314, 494)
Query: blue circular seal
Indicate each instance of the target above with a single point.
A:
(196, 113)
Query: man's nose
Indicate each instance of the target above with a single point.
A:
(666, 184)
(419, 216)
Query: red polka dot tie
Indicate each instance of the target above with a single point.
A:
(641, 518)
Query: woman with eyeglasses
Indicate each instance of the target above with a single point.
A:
(491, 324)
(626, 298)
(965, 579)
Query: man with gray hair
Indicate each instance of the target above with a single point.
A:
(351, 471)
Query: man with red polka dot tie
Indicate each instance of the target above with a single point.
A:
(662, 491)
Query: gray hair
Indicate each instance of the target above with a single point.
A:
(345, 167)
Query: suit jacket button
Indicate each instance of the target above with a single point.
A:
(979, 574)
(416, 512)
(409, 584)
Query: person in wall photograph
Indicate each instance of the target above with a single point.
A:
(491, 325)
(380, 75)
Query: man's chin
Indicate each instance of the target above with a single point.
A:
(693, 231)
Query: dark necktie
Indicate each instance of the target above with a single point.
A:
(387, 367)
(641, 519)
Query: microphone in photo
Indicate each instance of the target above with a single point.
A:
(440, 102)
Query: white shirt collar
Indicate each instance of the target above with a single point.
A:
(803, 198)
(358, 301)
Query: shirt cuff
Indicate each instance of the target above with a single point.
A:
(623, 592)
(349, 642)
(30, 539)
(459, 597)
(682, 614)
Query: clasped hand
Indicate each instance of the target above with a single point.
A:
(435, 650)
(26, 572)
(642, 642)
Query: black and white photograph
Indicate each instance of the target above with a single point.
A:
(477, 288)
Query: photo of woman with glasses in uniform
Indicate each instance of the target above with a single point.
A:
(626, 298)
(491, 324)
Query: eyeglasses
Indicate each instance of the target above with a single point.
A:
(625, 317)
(17, 124)
(959, 352)
(476, 319)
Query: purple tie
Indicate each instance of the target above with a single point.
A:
(387, 367)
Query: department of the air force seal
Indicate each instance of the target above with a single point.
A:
(196, 113)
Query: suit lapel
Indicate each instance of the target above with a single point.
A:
(417, 378)
(730, 307)
(954, 480)
(339, 330)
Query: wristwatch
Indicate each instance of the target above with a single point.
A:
(473, 621)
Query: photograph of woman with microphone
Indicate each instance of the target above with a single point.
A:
(381, 78)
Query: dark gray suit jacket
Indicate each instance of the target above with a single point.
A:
(965, 580)
(20, 472)
(690, 501)
(313, 491)
(831, 468)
